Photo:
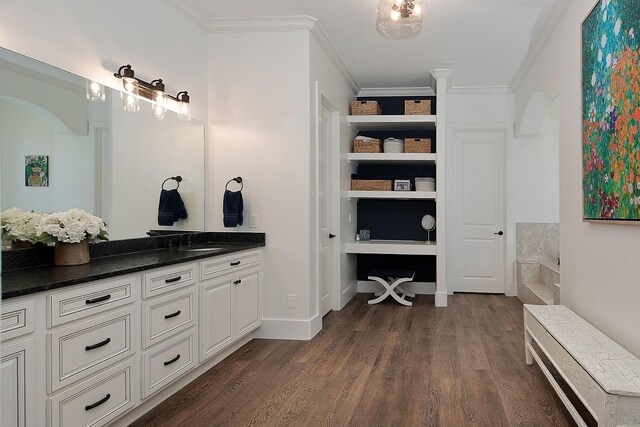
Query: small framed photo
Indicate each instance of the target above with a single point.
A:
(401, 185)
(365, 234)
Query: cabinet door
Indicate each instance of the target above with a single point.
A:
(16, 370)
(248, 311)
(216, 316)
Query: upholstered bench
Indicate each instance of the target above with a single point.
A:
(603, 375)
(392, 283)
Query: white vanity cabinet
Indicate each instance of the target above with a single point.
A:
(230, 301)
(17, 365)
(106, 352)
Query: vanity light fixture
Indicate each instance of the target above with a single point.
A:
(399, 19)
(134, 88)
(95, 91)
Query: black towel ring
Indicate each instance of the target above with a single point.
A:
(177, 179)
(237, 179)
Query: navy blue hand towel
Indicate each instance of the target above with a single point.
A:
(171, 207)
(232, 207)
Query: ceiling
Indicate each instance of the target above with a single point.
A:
(483, 41)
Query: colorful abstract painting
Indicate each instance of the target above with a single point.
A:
(36, 171)
(611, 111)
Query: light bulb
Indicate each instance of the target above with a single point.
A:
(417, 10)
(95, 91)
(395, 15)
(130, 85)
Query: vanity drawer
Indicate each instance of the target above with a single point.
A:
(76, 304)
(168, 362)
(165, 280)
(95, 402)
(18, 319)
(168, 315)
(222, 265)
(80, 350)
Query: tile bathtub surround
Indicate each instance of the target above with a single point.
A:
(537, 241)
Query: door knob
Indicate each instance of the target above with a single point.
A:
(499, 233)
(331, 236)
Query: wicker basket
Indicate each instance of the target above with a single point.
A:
(417, 107)
(371, 185)
(365, 108)
(417, 145)
(367, 146)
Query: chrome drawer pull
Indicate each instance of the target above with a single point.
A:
(175, 279)
(234, 263)
(98, 403)
(98, 299)
(169, 316)
(174, 360)
(98, 345)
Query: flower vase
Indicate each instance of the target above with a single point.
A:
(21, 244)
(71, 253)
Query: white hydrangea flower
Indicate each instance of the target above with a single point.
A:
(18, 225)
(72, 226)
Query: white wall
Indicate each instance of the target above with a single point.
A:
(339, 90)
(599, 274)
(93, 39)
(259, 130)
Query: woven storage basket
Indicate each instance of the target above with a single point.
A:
(417, 107)
(365, 108)
(371, 185)
(417, 145)
(367, 146)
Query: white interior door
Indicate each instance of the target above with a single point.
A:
(324, 206)
(478, 201)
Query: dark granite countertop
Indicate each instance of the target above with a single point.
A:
(25, 281)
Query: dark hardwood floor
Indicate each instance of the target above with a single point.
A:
(382, 365)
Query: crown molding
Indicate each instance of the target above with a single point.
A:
(540, 41)
(321, 36)
(261, 24)
(396, 91)
(190, 11)
(481, 90)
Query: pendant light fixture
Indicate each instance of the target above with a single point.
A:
(159, 102)
(399, 19)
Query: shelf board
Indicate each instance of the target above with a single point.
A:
(373, 123)
(404, 158)
(391, 247)
(399, 195)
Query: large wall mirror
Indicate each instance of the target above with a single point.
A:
(98, 157)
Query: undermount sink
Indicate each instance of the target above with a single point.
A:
(201, 247)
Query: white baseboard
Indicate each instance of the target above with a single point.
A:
(441, 299)
(418, 288)
(289, 329)
(348, 294)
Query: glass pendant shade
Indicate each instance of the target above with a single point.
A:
(95, 91)
(159, 107)
(399, 19)
(183, 111)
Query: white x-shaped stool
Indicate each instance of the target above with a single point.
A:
(390, 286)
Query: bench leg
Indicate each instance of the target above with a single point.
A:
(389, 290)
(528, 357)
(403, 292)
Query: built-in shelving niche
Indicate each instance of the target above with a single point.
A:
(394, 105)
